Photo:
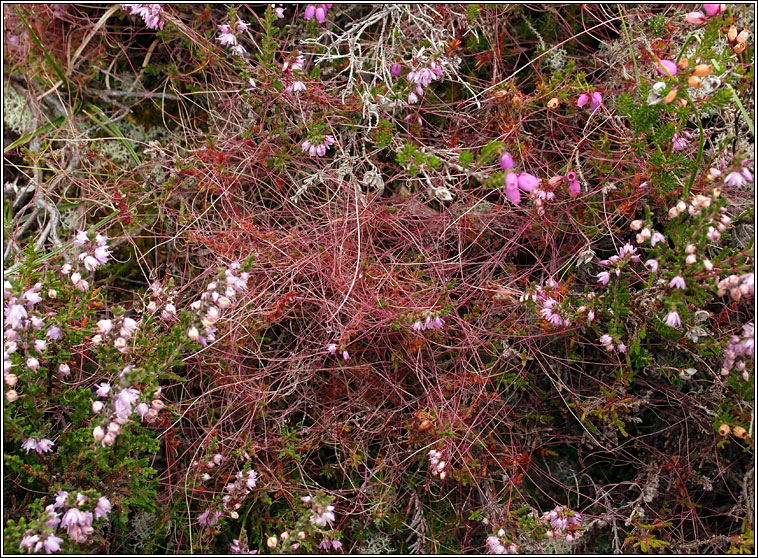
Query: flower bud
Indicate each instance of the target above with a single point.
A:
(635, 225)
(114, 428)
(739, 48)
(681, 206)
(443, 474)
(11, 395)
(739, 432)
(64, 369)
(271, 542)
(694, 81)
(97, 406)
(702, 70)
(109, 439)
(193, 333)
(691, 259)
(553, 103)
(731, 34)
(671, 96)
(98, 433)
(707, 265)
(689, 249)
(743, 36)
(11, 379)
(157, 404)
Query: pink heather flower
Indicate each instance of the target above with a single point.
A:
(672, 319)
(103, 507)
(695, 18)
(72, 518)
(681, 141)
(714, 9)
(105, 326)
(29, 541)
(652, 264)
(511, 188)
(101, 254)
(747, 175)
(54, 333)
(336, 544)
(528, 182)
(252, 479)
(251, 82)
(656, 238)
(81, 238)
(325, 544)
(279, 12)
(418, 325)
(52, 544)
(677, 283)
(45, 445)
(241, 26)
(666, 67)
(29, 444)
(226, 38)
(603, 277)
(32, 297)
(395, 70)
(607, 342)
(124, 402)
(735, 179)
(142, 409)
(14, 314)
(320, 14)
(412, 98)
(32, 363)
(60, 499)
(506, 161)
(332, 348)
(345, 355)
(103, 389)
(239, 50)
(40, 345)
(298, 86)
(621, 348)
(595, 100)
(129, 325)
(310, 11)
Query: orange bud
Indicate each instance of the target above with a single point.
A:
(743, 36)
(694, 81)
(739, 432)
(739, 48)
(731, 34)
(683, 63)
(425, 425)
(553, 103)
(724, 430)
(671, 96)
(702, 70)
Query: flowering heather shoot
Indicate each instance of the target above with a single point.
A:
(379, 279)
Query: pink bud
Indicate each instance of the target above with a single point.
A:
(666, 66)
(714, 9)
(506, 161)
(320, 14)
(596, 100)
(395, 70)
(695, 18)
(574, 187)
(310, 9)
(582, 100)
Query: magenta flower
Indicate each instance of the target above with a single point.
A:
(666, 67)
(672, 319)
(714, 9)
(395, 70)
(345, 355)
(332, 348)
(506, 161)
(677, 283)
(595, 100)
(511, 188)
(528, 182)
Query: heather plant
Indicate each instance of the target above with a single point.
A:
(333, 278)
